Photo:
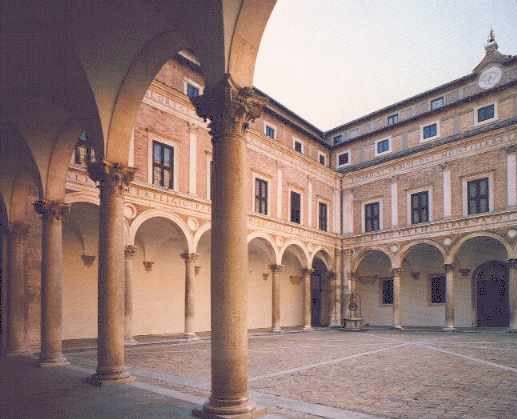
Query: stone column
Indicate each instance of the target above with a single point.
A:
(113, 180)
(275, 288)
(449, 303)
(346, 286)
(129, 253)
(230, 109)
(332, 278)
(52, 213)
(512, 265)
(190, 267)
(307, 299)
(396, 298)
(16, 344)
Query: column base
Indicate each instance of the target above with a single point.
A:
(247, 411)
(130, 341)
(276, 329)
(449, 329)
(307, 328)
(116, 376)
(190, 336)
(398, 327)
(56, 360)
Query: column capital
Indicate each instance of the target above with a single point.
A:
(189, 257)
(115, 174)
(307, 271)
(449, 267)
(511, 149)
(444, 166)
(396, 271)
(56, 210)
(512, 263)
(129, 251)
(276, 268)
(229, 107)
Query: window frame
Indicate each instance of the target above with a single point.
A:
(150, 161)
(409, 209)
(273, 127)
(381, 214)
(324, 155)
(268, 194)
(186, 82)
(389, 150)
(423, 126)
(338, 166)
(327, 221)
(393, 115)
(486, 121)
(289, 213)
(434, 100)
(342, 136)
(297, 140)
(381, 291)
(430, 289)
(491, 192)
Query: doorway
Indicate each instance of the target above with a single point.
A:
(492, 296)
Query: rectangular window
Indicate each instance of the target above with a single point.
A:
(437, 103)
(270, 132)
(430, 131)
(322, 159)
(382, 146)
(393, 119)
(322, 211)
(338, 139)
(438, 290)
(261, 196)
(298, 147)
(372, 217)
(296, 215)
(486, 113)
(387, 291)
(343, 159)
(420, 207)
(192, 90)
(163, 165)
(478, 196)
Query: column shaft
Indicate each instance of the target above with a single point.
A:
(307, 299)
(129, 253)
(449, 303)
(513, 294)
(52, 284)
(396, 299)
(190, 260)
(275, 289)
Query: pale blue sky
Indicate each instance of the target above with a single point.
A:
(332, 61)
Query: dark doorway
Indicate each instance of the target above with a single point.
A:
(319, 294)
(492, 301)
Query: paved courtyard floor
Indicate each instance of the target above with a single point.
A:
(331, 373)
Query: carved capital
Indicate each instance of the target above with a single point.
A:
(130, 251)
(189, 257)
(229, 108)
(276, 268)
(307, 272)
(444, 166)
(111, 175)
(55, 210)
(396, 271)
(449, 267)
(511, 149)
(512, 263)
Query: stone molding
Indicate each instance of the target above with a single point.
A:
(55, 210)
(114, 175)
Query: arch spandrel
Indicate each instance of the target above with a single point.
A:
(299, 250)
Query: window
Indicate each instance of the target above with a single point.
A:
(296, 214)
(163, 165)
(322, 213)
(84, 152)
(192, 90)
(298, 146)
(430, 131)
(261, 194)
(420, 207)
(485, 113)
(372, 217)
(322, 158)
(387, 291)
(382, 146)
(270, 131)
(437, 103)
(343, 159)
(393, 119)
(478, 196)
(438, 290)
(338, 139)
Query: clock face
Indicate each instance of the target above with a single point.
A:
(490, 77)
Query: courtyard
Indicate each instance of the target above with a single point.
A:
(334, 374)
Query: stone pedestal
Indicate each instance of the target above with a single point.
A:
(275, 288)
(52, 213)
(396, 299)
(113, 180)
(129, 253)
(230, 108)
(190, 265)
(449, 304)
(512, 281)
(16, 345)
(307, 299)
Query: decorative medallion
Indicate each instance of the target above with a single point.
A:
(193, 223)
(129, 211)
(512, 234)
(394, 248)
(447, 241)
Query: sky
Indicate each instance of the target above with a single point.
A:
(331, 61)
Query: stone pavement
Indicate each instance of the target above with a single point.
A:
(324, 373)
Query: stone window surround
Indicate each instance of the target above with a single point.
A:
(486, 121)
(338, 166)
(389, 150)
(329, 213)
(297, 140)
(491, 191)
(380, 200)
(380, 286)
(443, 97)
(424, 140)
(429, 290)
(409, 192)
(187, 81)
(268, 180)
(275, 130)
(300, 191)
(324, 157)
(175, 147)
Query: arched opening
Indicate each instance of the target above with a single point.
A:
(261, 255)
(203, 275)
(294, 261)
(372, 283)
(320, 293)
(422, 286)
(481, 284)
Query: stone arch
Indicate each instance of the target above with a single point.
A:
(404, 251)
(299, 250)
(154, 213)
(458, 245)
(269, 247)
(82, 197)
(199, 235)
(363, 253)
(324, 255)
